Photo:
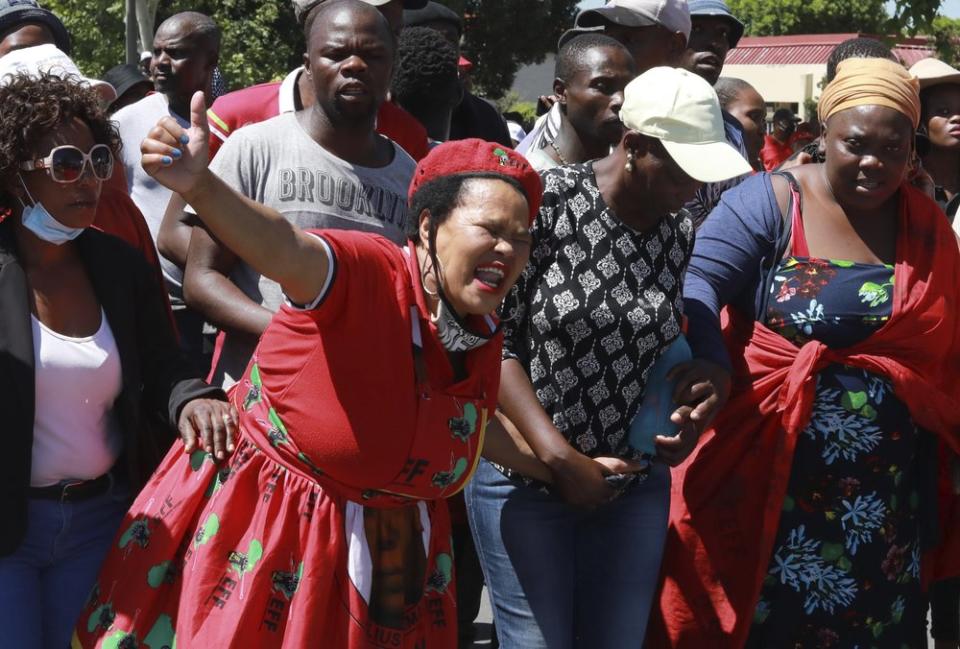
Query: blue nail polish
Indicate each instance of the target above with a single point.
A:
(176, 153)
(184, 139)
(166, 160)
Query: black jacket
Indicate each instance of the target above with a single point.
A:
(158, 380)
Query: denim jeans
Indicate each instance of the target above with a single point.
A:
(562, 578)
(46, 582)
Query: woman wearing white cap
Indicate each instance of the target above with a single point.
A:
(598, 303)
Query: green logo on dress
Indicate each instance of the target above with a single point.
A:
(464, 427)
(441, 577)
(443, 479)
(244, 562)
(120, 640)
(101, 618)
(207, 532)
(286, 583)
(277, 434)
(160, 574)
(138, 532)
(255, 393)
(162, 635)
(197, 458)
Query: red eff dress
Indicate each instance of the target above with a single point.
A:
(327, 526)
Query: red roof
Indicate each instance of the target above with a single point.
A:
(807, 49)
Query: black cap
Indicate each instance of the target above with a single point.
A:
(432, 12)
(125, 76)
(14, 13)
(785, 113)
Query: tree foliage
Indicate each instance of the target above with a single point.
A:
(946, 34)
(778, 17)
(262, 41)
(261, 38)
(502, 35)
(913, 16)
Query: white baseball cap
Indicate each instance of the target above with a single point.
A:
(671, 14)
(48, 58)
(681, 110)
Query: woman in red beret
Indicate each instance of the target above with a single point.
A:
(364, 406)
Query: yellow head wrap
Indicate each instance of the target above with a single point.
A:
(871, 82)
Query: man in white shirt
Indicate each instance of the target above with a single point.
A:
(186, 48)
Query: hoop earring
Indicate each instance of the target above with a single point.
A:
(629, 166)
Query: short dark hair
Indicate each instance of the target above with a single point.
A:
(729, 88)
(426, 70)
(31, 107)
(441, 196)
(205, 28)
(571, 55)
(857, 48)
(310, 18)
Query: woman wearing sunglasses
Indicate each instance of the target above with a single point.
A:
(87, 359)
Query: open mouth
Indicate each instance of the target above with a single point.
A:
(490, 276)
(710, 61)
(353, 90)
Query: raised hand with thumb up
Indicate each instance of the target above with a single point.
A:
(177, 157)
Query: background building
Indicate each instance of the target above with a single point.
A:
(788, 71)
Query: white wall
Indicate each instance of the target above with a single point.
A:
(782, 83)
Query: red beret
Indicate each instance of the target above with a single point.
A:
(476, 157)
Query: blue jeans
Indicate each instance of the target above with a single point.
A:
(561, 578)
(46, 582)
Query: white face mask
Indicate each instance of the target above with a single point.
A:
(41, 223)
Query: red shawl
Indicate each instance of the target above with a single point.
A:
(727, 496)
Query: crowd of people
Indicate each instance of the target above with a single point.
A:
(313, 362)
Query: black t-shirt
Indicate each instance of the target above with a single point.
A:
(475, 117)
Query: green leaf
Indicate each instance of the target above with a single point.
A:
(854, 401)
(873, 294)
(842, 263)
(868, 412)
(844, 563)
(831, 551)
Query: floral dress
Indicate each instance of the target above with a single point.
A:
(845, 570)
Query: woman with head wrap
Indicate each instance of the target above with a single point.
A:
(800, 521)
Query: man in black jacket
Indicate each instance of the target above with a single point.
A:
(474, 117)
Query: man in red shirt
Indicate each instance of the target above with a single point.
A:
(776, 145)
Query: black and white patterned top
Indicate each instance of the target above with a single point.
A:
(593, 310)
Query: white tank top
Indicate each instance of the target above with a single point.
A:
(76, 435)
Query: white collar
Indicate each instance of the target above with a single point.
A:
(287, 97)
